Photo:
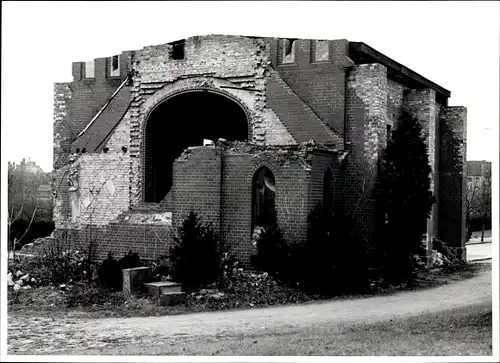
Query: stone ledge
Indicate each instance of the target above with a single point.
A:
(163, 287)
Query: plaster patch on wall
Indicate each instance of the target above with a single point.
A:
(110, 187)
(276, 133)
(149, 218)
(86, 200)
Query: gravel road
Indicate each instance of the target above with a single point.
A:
(77, 335)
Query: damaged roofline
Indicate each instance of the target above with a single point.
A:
(357, 49)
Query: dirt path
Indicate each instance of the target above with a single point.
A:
(70, 335)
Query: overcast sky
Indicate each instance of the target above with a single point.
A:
(454, 44)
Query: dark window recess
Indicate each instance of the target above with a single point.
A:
(114, 63)
(288, 46)
(264, 196)
(389, 134)
(178, 50)
(288, 50)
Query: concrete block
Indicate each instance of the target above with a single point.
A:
(133, 278)
(162, 287)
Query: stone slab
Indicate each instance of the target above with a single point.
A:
(158, 288)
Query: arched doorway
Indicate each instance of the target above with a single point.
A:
(263, 201)
(182, 121)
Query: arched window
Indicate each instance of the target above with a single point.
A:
(328, 191)
(263, 200)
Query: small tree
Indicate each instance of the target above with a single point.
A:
(405, 196)
(485, 202)
(473, 189)
(21, 209)
(196, 253)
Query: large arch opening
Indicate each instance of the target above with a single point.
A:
(182, 121)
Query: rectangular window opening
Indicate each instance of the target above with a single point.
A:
(322, 50)
(178, 50)
(114, 69)
(389, 135)
(89, 69)
(289, 50)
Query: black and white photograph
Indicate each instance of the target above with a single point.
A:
(248, 180)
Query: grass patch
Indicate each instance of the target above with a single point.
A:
(465, 331)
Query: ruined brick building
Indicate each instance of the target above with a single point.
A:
(236, 126)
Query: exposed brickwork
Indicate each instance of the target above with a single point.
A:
(229, 65)
(329, 100)
(276, 133)
(90, 94)
(62, 210)
(62, 131)
(94, 135)
(366, 105)
(395, 101)
(297, 116)
(103, 187)
(298, 172)
(437, 166)
(291, 185)
(325, 162)
(453, 178)
(320, 84)
(422, 105)
(197, 185)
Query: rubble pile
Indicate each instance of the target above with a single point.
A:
(19, 280)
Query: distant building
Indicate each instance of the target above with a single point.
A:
(479, 189)
(44, 192)
(29, 168)
(478, 170)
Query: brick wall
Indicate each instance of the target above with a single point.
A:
(395, 101)
(452, 177)
(148, 240)
(197, 185)
(366, 104)
(103, 187)
(320, 84)
(298, 118)
(325, 162)
(284, 105)
(422, 105)
(232, 66)
(90, 94)
(291, 171)
(62, 131)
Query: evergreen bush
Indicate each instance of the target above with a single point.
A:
(195, 257)
(405, 198)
